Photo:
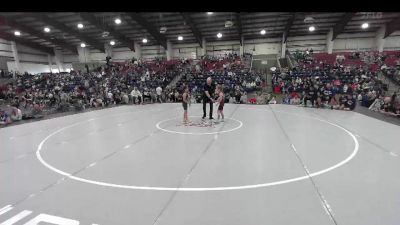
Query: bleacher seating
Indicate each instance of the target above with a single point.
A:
(113, 83)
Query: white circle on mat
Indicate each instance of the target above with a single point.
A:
(199, 189)
(158, 125)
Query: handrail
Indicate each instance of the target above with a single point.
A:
(251, 63)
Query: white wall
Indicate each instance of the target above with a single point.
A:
(316, 42)
(192, 50)
(29, 67)
(151, 52)
(122, 54)
(71, 58)
(35, 61)
(364, 41)
(392, 42)
(262, 48)
(96, 55)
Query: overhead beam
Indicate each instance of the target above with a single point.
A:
(195, 31)
(27, 29)
(289, 24)
(138, 18)
(341, 24)
(116, 34)
(392, 26)
(20, 40)
(65, 29)
(239, 27)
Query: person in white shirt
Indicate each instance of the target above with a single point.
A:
(243, 98)
(272, 101)
(109, 98)
(16, 114)
(125, 98)
(136, 95)
(159, 92)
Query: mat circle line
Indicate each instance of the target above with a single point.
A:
(197, 189)
(204, 133)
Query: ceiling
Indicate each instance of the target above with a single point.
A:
(191, 26)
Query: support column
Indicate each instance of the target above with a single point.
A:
(283, 49)
(204, 49)
(50, 62)
(329, 42)
(138, 51)
(58, 56)
(169, 50)
(109, 50)
(83, 54)
(241, 47)
(16, 57)
(379, 40)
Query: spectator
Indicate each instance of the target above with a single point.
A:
(159, 92)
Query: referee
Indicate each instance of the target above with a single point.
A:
(208, 90)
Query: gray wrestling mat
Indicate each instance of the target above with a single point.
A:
(266, 164)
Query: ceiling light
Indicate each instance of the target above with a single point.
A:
(17, 33)
(311, 28)
(83, 45)
(80, 26)
(112, 42)
(46, 29)
(117, 21)
(180, 38)
(219, 35)
(262, 32)
(144, 40)
(209, 13)
(364, 25)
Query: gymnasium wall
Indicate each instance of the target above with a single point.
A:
(33, 68)
(364, 41)
(316, 42)
(392, 42)
(189, 51)
(263, 46)
(31, 60)
(121, 54)
(35, 61)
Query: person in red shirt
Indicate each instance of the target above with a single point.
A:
(220, 102)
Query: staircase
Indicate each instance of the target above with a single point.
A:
(290, 60)
(247, 62)
(175, 80)
(264, 63)
(283, 62)
(392, 87)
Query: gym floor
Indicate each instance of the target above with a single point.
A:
(266, 164)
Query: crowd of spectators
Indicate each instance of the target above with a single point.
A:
(132, 82)
(338, 84)
(6, 74)
(228, 71)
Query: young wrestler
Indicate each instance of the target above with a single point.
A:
(185, 101)
(220, 102)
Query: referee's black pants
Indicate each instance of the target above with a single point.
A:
(205, 101)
